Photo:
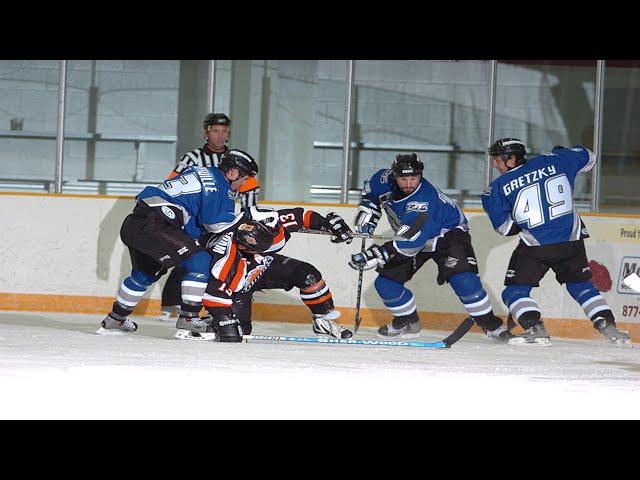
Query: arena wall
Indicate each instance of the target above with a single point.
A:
(63, 253)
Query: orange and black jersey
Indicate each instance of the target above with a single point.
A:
(238, 270)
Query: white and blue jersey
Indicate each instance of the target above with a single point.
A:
(536, 198)
(203, 196)
(406, 215)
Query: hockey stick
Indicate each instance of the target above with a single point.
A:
(353, 235)
(359, 294)
(633, 282)
(456, 335)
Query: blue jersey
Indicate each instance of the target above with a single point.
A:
(203, 196)
(536, 198)
(406, 214)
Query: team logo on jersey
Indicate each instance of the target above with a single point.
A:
(168, 212)
(417, 207)
(384, 178)
(255, 273)
(451, 262)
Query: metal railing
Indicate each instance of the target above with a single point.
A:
(138, 142)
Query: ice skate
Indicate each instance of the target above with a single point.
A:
(193, 328)
(111, 326)
(167, 314)
(325, 325)
(535, 335)
(401, 327)
(611, 332)
(227, 329)
(499, 335)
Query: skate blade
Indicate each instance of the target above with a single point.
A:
(187, 335)
(111, 331)
(536, 342)
(403, 336)
(623, 343)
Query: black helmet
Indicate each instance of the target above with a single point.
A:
(407, 165)
(506, 147)
(216, 119)
(254, 236)
(239, 159)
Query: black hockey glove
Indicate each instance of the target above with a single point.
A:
(335, 224)
(368, 216)
(372, 257)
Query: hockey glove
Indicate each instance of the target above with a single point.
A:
(335, 224)
(266, 215)
(368, 216)
(372, 257)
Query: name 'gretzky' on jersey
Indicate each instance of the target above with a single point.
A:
(403, 214)
(536, 199)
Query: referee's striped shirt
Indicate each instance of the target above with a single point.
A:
(203, 157)
(200, 157)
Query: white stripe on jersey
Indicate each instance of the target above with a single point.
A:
(590, 163)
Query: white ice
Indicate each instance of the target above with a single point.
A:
(54, 366)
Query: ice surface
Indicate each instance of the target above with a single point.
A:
(53, 365)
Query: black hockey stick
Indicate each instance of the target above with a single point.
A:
(359, 294)
(460, 331)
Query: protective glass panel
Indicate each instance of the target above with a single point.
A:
(547, 103)
(28, 122)
(120, 125)
(437, 109)
(620, 168)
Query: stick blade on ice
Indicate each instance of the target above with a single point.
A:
(633, 282)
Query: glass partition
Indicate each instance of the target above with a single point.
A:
(437, 109)
(121, 122)
(620, 169)
(285, 112)
(28, 115)
(548, 103)
(128, 121)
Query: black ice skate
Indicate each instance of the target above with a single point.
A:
(227, 329)
(112, 326)
(611, 332)
(325, 325)
(535, 335)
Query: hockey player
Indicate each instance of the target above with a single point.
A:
(216, 134)
(534, 198)
(245, 261)
(163, 230)
(434, 228)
